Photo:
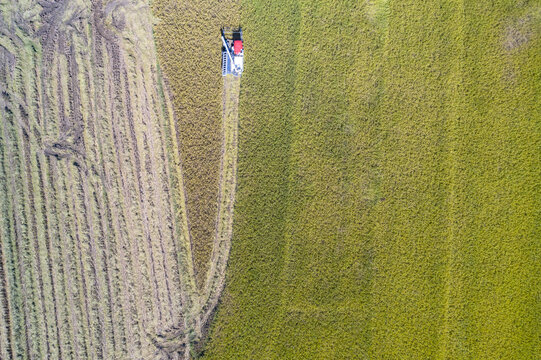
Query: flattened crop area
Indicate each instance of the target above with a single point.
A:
(93, 250)
(96, 253)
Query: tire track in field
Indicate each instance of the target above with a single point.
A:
(180, 238)
(168, 230)
(17, 240)
(162, 184)
(27, 137)
(127, 191)
(75, 318)
(22, 135)
(33, 231)
(56, 264)
(93, 156)
(73, 311)
(113, 198)
(71, 213)
(136, 159)
(175, 339)
(155, 154)
(10, 238)
(85, 288)
(7, 344)
(98, 287)
(41, 165)
(15, 114)
(215, 280)
(124, 195)
(113, 243)
(85, 201)
(125, 285)
(44, 212)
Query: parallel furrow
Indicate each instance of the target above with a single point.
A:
(24, 270)
(163, 191)
(33, 234)
(133, 236)
(180, 240)
(6, 340)
(9, 290)
(133, 149)
(90, 252)
(155, 155)
(66, 247)
(93, 187)
(70, 218)
(56, 265)
(141, 139)
(54, 322)
(114, 255)
(87, 289)
(47, 222)
(112, 200)
(52, 105)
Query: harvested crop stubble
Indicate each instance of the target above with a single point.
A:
(91, 222)
(95, 254)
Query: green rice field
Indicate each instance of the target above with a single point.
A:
(388, 201)
(369, 188)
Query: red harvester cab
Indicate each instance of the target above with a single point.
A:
(237, 46)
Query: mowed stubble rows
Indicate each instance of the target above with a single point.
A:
(96, 256)
(92, 223)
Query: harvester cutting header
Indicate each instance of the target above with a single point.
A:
(232, 51)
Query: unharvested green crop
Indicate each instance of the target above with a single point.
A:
(387, 200)
(187, 35)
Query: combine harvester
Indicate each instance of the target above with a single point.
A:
(232, 51)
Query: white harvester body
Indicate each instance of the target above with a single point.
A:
(232, 52)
